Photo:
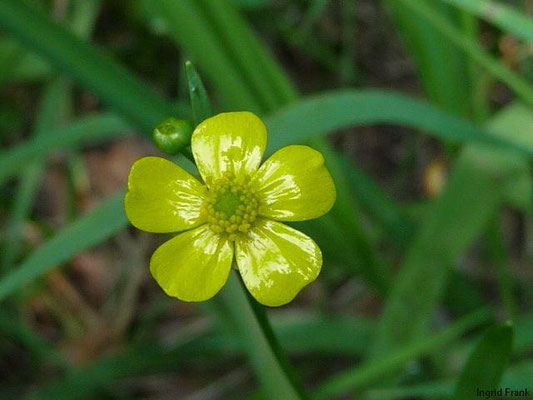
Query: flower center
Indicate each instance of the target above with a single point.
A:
(231, 206)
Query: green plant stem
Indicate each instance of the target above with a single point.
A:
(255, 331)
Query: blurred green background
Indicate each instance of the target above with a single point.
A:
(423, 110)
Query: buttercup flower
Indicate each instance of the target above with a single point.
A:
(235, 215)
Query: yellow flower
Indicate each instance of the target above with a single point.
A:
(235, 215)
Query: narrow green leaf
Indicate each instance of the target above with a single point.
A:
(91, 129)
(486, 365)
(54, 105)
(98, 224)
(443, 82)
(200, 104)
(333, 110)
(471, 48)
(361, 376)
(509, 19)
(88, 65)
(517, 378)
(472, 194)
(189, 27)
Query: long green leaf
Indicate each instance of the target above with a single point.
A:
(98, 224)
(374, 369)
(297, 123)
(495, 67)
(188, 26)
(89, 66)
(498, 13)
(517, 378)
(487, 363)
(473, 191)
(91, 129)
(337, 109)
(54, 106)
(443, 82)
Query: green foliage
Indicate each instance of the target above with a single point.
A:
(487, 363)
(408, 255)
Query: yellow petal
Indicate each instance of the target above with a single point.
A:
(276, 262)
(230, 142)
(162, 197)
(194, 265)
(294, 185)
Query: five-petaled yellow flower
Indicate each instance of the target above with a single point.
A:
(235, 214)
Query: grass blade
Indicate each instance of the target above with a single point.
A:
(473, 192)
(53, 109)
(486, 365)
(333, 110)
(89, 66)
(84, 131)
(94, 227)
(501, 15)
(359, 377)
(519, 85)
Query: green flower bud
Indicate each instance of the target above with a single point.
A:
(171, 135)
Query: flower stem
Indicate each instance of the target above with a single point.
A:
(270, 363)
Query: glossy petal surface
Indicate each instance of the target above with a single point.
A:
(294, 185)
(276, 262)
(229, 142)
(162, 197)
(194, 265)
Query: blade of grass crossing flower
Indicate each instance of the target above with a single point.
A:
(333, 110)
(487, 363)
(90, 67)
(360, 377)
(507, 18)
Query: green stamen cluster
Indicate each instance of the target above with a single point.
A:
(231, 206)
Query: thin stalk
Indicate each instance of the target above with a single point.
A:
(264, 351)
